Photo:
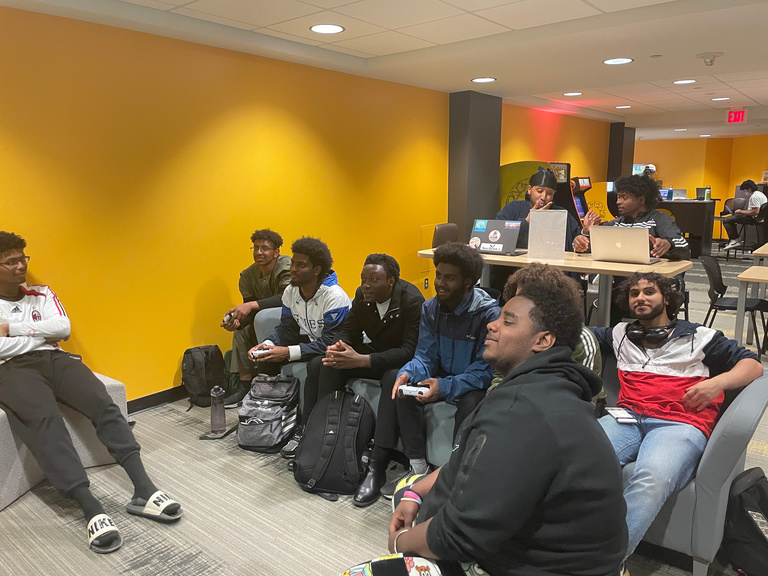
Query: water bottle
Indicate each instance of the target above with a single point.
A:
(218, 417)
(708, 193)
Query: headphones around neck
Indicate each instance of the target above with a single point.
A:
(637, 333)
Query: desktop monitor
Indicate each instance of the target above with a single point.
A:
(664, 192)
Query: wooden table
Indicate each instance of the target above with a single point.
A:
(585, 264)
(757, 275)
(758, 289)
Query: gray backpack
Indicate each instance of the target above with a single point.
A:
(268, 413)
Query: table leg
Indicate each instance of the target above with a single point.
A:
(604, 287)
(742, 303)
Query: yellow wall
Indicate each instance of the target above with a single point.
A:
(531, 134)
(749, 159)
(137, 167)
(679, 163)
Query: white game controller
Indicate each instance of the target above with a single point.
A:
(228, 318)
(256, 353)
(409, 390)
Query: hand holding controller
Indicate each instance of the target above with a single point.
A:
(256, 353)
(413, 390)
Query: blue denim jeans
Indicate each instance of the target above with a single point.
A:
(666, 455)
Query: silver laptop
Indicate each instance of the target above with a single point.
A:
(617, 244)
(495, 236)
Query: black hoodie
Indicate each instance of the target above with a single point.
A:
(533, 487)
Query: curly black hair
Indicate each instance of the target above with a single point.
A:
(268, 235)
(640, 186)
(669, 288)
(538, 272)
(317, 252)
(748, 185)
(11, 241)
(466, 258)
(555, 310)
(390, 265)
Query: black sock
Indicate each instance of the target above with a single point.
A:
(91, 507)
(143, 487)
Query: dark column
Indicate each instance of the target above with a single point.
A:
(474, 153)
(621, 151)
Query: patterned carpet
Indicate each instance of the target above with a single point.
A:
(244, 514)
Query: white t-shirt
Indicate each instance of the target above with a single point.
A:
(756, 200)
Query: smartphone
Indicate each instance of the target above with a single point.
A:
(620, 415)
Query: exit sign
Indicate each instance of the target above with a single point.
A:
(736, 117)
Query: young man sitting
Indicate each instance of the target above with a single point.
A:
(35, 373)
(261, 286)
(744, 215)
(449, 354)
(532, 486)
(314, 302)
(378, 336)
(673, 374)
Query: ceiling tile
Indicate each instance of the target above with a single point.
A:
(327, 4)
(353, 28)
(751, 75)
(739, 84)
(384, 43)
(454, 29)
(530, 13)
(349, 51)
(256, 12)
(475, 5)
(616, 5)
(183, 10)
(165, 5)
(398, 13)
(291, 37)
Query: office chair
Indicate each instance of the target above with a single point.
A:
(444, 233)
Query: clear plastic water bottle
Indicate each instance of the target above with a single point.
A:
(218, 416)
(708, 193)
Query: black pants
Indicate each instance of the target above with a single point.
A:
(730, 223)
(323, 380)
(30, 386)
(412, 423)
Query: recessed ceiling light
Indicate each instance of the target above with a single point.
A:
(622, 107)
(684, 82)
(572, 93)
(720, 99)
(680, 129)
(704, 135)
(617, 61)
(327, 28)
(483, 79)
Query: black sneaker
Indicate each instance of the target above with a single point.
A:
(289, 450)
(235, 399)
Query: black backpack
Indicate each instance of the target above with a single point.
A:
(746, 528)
(268, 414)
(202, 368)
(329, 457)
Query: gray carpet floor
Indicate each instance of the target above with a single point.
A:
(243, 512)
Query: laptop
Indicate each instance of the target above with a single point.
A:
(619, 244)
(679, 194)
(495, 236)
(701, 193)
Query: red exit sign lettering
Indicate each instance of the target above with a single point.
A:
(736, 117)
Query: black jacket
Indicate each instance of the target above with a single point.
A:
(533, 487)
(392, 338)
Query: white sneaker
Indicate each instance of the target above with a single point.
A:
(732, 244)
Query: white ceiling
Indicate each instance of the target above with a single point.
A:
(537, 49)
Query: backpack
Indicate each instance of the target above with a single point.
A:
(746, 528)
(329, 457)
(268, 413)
(202, 368)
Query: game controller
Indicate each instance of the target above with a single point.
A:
(228, 318)
(256, 353)
(409, 390)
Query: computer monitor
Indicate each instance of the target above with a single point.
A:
(701, 193)
(664, 192)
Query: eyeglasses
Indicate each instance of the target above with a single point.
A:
(13, 262)
(262, 248)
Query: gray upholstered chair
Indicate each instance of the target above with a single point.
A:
(19, 470)
(692, 520)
